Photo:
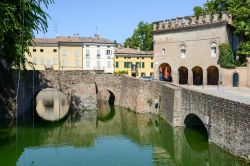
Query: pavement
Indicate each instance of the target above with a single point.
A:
(241, 94)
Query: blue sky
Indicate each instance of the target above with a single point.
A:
(115, 19)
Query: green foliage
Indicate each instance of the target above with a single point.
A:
(244, 49)
(199, 11)
(121, 72)
(240, 10)
(150, 101)
(226, 59)
(19, 20)
(142, 37)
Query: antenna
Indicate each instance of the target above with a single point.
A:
(96, 30)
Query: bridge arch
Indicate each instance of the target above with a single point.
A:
(194, 121)
(106, 95)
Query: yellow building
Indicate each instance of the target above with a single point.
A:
(134, 62)
(72, 53)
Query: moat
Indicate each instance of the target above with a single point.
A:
(110, 136)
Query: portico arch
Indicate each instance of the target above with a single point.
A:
(212, 75)
(183, 75)
(165, 72)
(197, 75)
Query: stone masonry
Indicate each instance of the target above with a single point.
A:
(227, 121)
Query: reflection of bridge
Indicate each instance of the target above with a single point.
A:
(223, 118)
(81, 129)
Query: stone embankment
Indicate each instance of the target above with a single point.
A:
(227, 121)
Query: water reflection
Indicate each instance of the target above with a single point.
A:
(125, 138)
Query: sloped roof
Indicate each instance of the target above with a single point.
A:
(132, 51)
(72, 40)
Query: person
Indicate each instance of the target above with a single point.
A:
(160, 74)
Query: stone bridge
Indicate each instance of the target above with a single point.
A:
(227, 122)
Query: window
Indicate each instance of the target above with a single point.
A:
(64, 52)
(117, 64)
(108, 46)
(183, 51)
(54, 50)
(213, 49)
(87, 54)
(98, 64)
(129, 57)
(143, 64)
(109, 64)
(152, 65)
(48, 63)
(76, 53)
(41, 50)
(142, 57)
(127, 64)
(87, 45)
(88, 64)
(55, 61)
(34, 50)
(142, 74)
(108, 52)
(34, 60)
(152, 75)
(138, 58)
(98, 54)
(163, 51)
(138, 65)
(41, 60)
(117, 57)
(98, 46)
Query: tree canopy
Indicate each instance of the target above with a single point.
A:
(240, 10)
(142, 37)
(19, 20)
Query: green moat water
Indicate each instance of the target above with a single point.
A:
(110, 137)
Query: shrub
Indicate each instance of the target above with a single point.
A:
(226, 58)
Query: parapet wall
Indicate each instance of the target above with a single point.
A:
(191, 21)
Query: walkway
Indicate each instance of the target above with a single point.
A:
(241, 94)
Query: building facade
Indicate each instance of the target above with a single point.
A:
(134, 62)
(186, 50)
(72, 53)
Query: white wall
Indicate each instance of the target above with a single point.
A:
(103, 60)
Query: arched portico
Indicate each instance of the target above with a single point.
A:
(197, 75)
(212, 75)
(165, 72)
(183, 75)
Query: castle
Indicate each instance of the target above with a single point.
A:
(186, 51)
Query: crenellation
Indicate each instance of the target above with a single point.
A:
(194, 21)
(201, 20)
(215, 17)
(181, 22)
(208, 19)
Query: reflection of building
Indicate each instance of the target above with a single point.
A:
(73, 53)
(134, 62)
(189, 47)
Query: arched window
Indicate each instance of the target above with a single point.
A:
(163, 51)
(213, 49)
(183, 51)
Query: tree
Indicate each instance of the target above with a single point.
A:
(240, 10)
(199, 11)
(19, 20)
(142, 37)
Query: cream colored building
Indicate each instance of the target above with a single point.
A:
(72, 53)
(186, 51)
(134, 62)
